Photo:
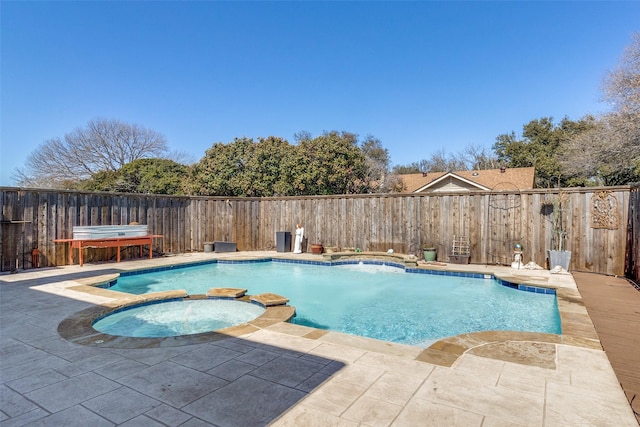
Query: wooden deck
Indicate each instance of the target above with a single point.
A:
(614, 307)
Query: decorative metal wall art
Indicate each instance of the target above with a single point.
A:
(604, 210)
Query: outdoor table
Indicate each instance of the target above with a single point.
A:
(110, 242)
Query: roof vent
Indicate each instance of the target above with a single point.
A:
(503, 170)
(475, 174)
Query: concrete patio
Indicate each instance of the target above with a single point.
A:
(289, 375)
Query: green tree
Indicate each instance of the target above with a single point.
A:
(243, 167)
(328, 164)
(539, 147)
(264, 173)
(147, 176)
(218, 172)
(332, 163)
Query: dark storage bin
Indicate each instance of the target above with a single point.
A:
(224, 246)
(283, 241)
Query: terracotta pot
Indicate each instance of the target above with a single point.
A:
(316, 248)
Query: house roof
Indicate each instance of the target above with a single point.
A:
(482, 180)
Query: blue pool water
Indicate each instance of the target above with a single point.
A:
(173, 318)
(374, 301)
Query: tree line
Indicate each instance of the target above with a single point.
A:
(111, 155)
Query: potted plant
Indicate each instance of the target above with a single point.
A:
(429, 252)
(555, 208)
(316, 248)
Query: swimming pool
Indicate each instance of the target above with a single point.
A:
(376, 301)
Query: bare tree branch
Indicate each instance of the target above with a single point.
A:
(103, 145)
(622, 85)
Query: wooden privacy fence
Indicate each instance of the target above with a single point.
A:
(596, 221)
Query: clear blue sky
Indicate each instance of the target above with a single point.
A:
(420, 76)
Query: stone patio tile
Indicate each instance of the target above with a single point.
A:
(578, 357)
(25, 419)
(337, 352)
(231, 370)
(595, 378)
(247, 402)
(477, 394)
(372, 412)
(205, 357)
(567, 405)
(195, 422)
(31, 367)
(20, 359)
(524, 383)
(334, 397)
(142, 421)
(587, 368)
(330, 369)
(475, 364)
(490, 421)
(83, 352)
(317, 359)
(64, 394)
(264, 346)
(168, 415)
(284, 341)
(75, 416)
(152, 356)
(28, 333)
(291, 329)
(258, 357)
(13, 403)
(56, 345)
(398, 365)
(11, 347)
(119, 369)
(394, 388)
(302, 415)
(172, 383)
(236, 344)
(358, 374)
(369, 344)
(121, 404)
(288, 371)
(534, 374)
(313, 382)
(420, 412)
(36, 381)
(89, 364)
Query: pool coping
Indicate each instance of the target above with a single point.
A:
(577, 327)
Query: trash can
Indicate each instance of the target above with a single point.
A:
(208, 247)
(283, 241)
